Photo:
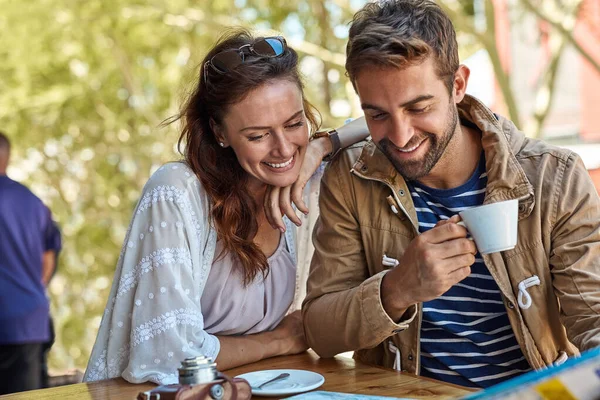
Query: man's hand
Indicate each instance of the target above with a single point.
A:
(433, 262)
(278, 200)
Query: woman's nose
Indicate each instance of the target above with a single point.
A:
(285, 148)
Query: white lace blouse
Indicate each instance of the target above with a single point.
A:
(153, 318)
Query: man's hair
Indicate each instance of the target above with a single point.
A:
(4, 142)
(401, 33)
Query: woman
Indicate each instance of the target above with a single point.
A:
(201, 270)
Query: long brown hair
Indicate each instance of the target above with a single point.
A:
(233, 211)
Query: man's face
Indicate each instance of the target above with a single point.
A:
(410, 114)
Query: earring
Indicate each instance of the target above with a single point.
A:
(221, 144)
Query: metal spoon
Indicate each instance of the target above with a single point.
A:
(277, 378)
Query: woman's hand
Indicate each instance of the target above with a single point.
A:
(279, 200)
(291, 331)
(287, 338)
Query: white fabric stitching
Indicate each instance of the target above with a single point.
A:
(173, 194)
(103, 369)
(168, 320)
(154, 260)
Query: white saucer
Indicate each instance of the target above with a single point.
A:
(299, 381)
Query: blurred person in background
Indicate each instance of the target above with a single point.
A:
(45, 379)
(202, 272)
(29, 243)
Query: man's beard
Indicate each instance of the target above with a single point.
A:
(415, 169)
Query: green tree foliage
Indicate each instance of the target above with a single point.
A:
(84, 87)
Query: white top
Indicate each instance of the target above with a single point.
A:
(230, 308)
(153, 319)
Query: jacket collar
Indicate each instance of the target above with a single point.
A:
(500, 140)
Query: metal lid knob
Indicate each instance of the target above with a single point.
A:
(197, 361)
(196, 370)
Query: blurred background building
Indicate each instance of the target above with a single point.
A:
(549, 52)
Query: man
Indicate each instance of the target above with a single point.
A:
(394, 277)
(29, 242)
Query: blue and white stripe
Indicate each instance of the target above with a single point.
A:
(466, 338)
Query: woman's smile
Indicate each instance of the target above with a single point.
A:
(282, 166)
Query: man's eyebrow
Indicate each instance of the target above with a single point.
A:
(367, 106)
(249, 128)
(416, 100)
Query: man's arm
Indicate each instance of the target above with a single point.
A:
(348, 309)
(53, 245)
(575, 255)
(48, 266)
(342, 310)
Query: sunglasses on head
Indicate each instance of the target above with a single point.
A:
(227, 60)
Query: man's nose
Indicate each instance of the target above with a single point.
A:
(401, 131)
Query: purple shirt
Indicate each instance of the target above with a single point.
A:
(26, 232)
(230, 308)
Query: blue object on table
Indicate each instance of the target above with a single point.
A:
(522, 382)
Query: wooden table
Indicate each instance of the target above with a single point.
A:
(341, 375)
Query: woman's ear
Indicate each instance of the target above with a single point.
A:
(218, 132)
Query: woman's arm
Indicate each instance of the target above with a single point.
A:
(153, 318)
(287, 338)
(279, 200)
(348, 134)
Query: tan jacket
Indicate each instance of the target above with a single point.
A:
(559, 242)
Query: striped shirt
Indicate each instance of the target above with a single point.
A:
(466, 338)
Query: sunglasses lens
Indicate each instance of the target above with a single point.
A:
(226, 61)
(269, 47)
(230, 59)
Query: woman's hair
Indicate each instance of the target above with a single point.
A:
(233, 211)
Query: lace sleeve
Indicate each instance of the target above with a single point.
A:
(153, 318)
(304, 232)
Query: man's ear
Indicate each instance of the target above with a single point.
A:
(461, 79)
(218, 132)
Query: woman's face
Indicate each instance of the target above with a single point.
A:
(268, 132)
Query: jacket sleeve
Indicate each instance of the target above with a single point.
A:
(153, 318)
(575, 255)
(342, 310)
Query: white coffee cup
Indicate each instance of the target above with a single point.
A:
(492, 226)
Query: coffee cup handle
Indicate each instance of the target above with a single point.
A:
(462, 223)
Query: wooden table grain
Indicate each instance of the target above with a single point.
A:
(341, 375)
